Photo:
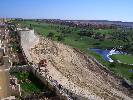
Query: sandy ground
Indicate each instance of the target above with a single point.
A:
(74, 71)
(4, 82)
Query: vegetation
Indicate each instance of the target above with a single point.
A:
(26, 84)
(127, 59)
(50, 35)
(31, 84)
(15, 47)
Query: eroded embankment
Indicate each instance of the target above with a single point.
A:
(74, 71)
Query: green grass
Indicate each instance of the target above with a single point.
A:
(41, 28)
(71, 39)
(29, 83)
(123, 70)
(27, 87)
(127, 59)
(105, 31)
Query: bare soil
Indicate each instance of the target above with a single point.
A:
(78, 72)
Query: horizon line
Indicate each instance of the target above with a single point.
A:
(68, 19)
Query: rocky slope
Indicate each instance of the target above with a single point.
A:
(81, 72)
(77, 72)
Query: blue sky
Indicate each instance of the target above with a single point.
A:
(68, 9)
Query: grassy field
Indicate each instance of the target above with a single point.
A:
(127, 59)
(83, 43)
(105, 31)
(70, 39)
(40, 28)
(30, 83)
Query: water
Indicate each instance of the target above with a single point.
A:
(102, 53)
(130, 70)
(105, 54)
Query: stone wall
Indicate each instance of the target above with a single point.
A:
(28, 40)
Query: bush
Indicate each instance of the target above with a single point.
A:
(50, 35)
(60, 38)
(112, 65)
(131, 77)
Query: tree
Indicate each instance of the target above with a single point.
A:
(60, 38)
(50, 35)
(112, 65)
(131, 77)
(31, 27)
(85, 32)
(102, 37)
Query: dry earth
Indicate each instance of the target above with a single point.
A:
(4, 82)
(83, 73)
(77, 72)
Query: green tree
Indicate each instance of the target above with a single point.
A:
(50, 35)
(60, 38)
(112, 65)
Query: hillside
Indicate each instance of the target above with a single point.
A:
(69, 66)
(74, 70)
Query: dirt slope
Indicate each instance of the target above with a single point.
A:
(77, 72)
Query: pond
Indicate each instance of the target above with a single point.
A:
(105, 54)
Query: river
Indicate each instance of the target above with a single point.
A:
(105, 54)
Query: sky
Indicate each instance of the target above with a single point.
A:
(115, 10)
